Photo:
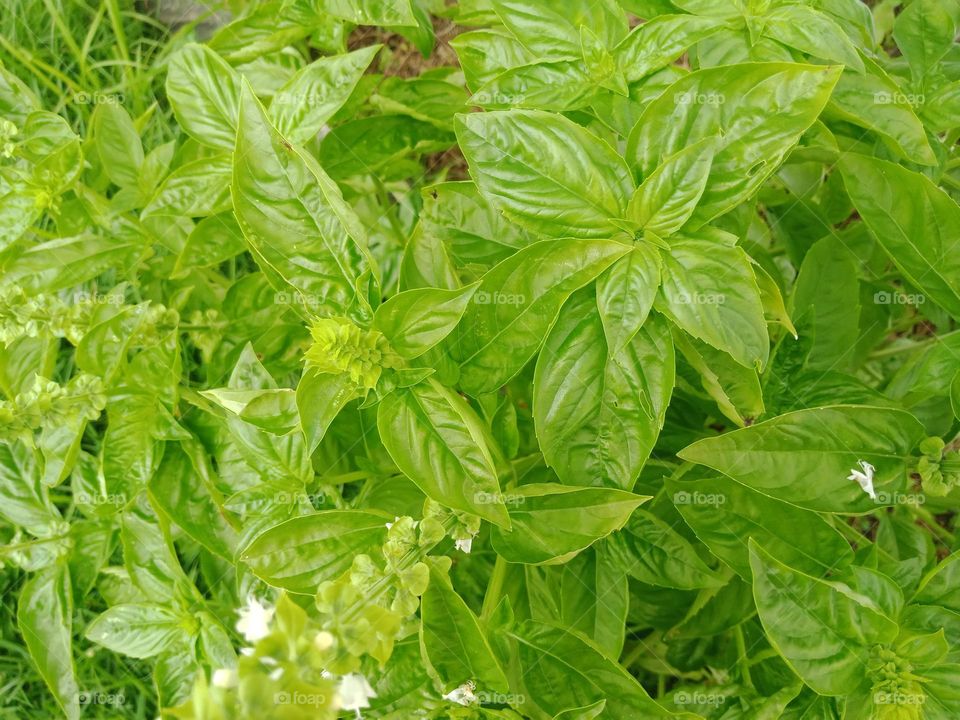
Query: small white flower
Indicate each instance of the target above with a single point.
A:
(323, 640)
(225, 678)
(462, 695)
(464, 545)
(276, 674)
(354, 693)
(254, 622)
(865, 478)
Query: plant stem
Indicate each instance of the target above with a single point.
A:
(494, 589)
(743, 662)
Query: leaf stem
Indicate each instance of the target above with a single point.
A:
(494, 589)
(743, 661)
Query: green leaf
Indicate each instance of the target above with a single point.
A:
(557, 670)
(303, 552)
(552, 32)
(925, 31)
(826, 305)
(438, 441)
(515, 304)
(551, 523)
(812, 32)
(657, 43)
(941, 586)
(139, 630)
(311, 97)
(118, 144)
(453, 641)
(416, 320)
(651, 551)
(372, 12)
(823, 629)
(299, 228)
(45, 617)
(710, 292)
(669, 195)
(546, 172)
(725, 515)
(918, 231)
(875, 102)
(759, 111)
(204, 92)
(805, 457)
(599, 409)
(320, 398)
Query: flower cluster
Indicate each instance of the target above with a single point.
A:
(48, 404)
(939, 471)
(463, 526)
(339, 346)
(375, 602)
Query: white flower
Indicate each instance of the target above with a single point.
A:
(323, 640)
(464, 545)
(225, 678)
(865, 478)
(462, 695)
(254, 622)
(354, 692)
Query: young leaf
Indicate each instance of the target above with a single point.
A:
(552, 523)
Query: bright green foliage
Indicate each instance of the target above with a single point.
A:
(480, 360)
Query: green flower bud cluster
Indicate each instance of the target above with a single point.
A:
(30, 316)
(339, 346)
(375, 602)
(939, 471)
(463, 526)
(48, 404)
(896, 691)
(8, 131)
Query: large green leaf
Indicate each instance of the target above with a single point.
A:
(140, 630)
(805, 457)
(303, 234)
(303, 552)
(824, 630)
(453, 640)
(546, 172)
(204, 92)
(551, 523)
(759, 110)
(515, 304)
(599, 408)
(45, 619)
(710, 292)
(725, 515)
(916, 222)
(438, 441)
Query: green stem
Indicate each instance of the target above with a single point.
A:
(494, 589)
(743, 662)
(931, 522)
